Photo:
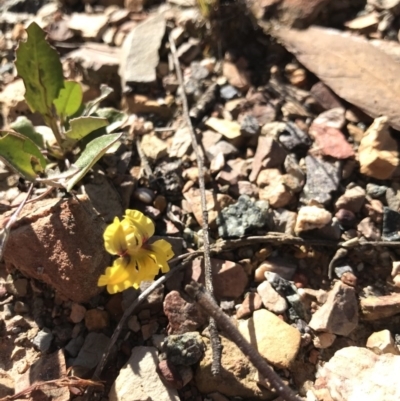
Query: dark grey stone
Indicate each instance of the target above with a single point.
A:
(293, 138)
(198, 71)
(242, 217)
(250, 125)
(43, 339)
(92, 350)
(376, 191)
(184, 349)
(228, 92)
(74, 346)
(391, 225)
(323, 178)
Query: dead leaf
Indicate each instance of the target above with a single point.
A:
(353, 68)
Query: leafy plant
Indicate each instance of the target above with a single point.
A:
(85, 132)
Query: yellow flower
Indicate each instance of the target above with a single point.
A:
(138, 261)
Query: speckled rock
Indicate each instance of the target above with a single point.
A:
(184, 349)
(242, 217)
(238, 376)
(60, 242)
(355, 374)
(276, 341)
(271, 299)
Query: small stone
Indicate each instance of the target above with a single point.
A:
(145, 195)
(323, 340)
(92, 350)
(391, 225)
(346, 218)
(20, 308)
(290, 136)
(183, 316)
(229, 129)
(237, 77)
(378, 151)
(382, 342)
(333, 118)
(355, 373)
(323, 177)
(149, 329)
(330, 142)
(184, 349)
(198, 72)
(376, 191)
(228, 92)
(188, 51)
(242, 217)
(276, 341)
(324, 96)
(8, 311)
(19, 287)
(222, 147)
(368, 229)
(339, 314)
(349, 278)
(96, 319)
(77, 313)
(176, 377)
(375, 308)
(90, 26)
(43, 340)
(353, 199)
(249, 125)
(153, 147)
(134, 324)
(74, 346)
(275, 264)
(311, 217)
(271, 299)
(277, 195)
(138, 380)
(282, 221)
(251, 303)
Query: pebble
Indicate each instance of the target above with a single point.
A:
(353, 199)
(339, 314)
(8, 311)
(249, 126)
(74, 346)
(182, 316)
(346, 218)
(282, 220)
(251, 303)
(378, 151)
(323, 177)
(368, 229)
(228, 92)
(376, 191)
(229, 129)
(18, 287)
(184, 349)
(382, 342)
(236, 76)
(311, 217)
(134, 324)
(391, 225)
(333, 118)
(91, 352)
(77, 313)
(284, 267)
(292, 137)
(323, 340)
(355, 373)
(276, 341)
(375, 308)
(21, 308)
(175, 376)
(271, 298)
(138, 380)
(242, 217)
(277, 195)
(96, 319)
(43, 340)
(237, 378)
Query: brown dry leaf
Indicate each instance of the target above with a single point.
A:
(353, 68)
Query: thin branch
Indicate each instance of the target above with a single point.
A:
(143, 159)
(215, 341)
(196, 291)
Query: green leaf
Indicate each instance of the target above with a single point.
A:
(92, 153)
(92, 106)
(25, 127)
(21, 154)
(69, 99)
(38, 64)
(82, 126)
(116, 118)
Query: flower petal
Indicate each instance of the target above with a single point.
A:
(162, 247)
(143, 224)
(116, 277)
(114, 238)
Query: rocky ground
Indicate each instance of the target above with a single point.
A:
(295, 108)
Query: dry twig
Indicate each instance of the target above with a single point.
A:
(215, 340)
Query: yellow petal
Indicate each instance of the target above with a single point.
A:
(162, 247)
(116, 277)
(114, 238)
(143, 224)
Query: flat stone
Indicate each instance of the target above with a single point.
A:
(92, 350)
(354, 374)
(353, 199)
(43, 340)
(271, 298)
(140, 51)
(96, 319)
(323, 340)
(332, 118)
(184, 349)
(237, 378)
(375, 308)
(323, 177)
(378, 151)
(324, 96)
(229, 129)
(77, 313)
(90, 26)
(182, 315)
(276, 341)
(382, 342)
(339, 314)
(153, 147)
(291, 136)
(229, 278)
(138, 379)
(236, 76)
(59, 242)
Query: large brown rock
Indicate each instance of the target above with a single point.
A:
(59, 242)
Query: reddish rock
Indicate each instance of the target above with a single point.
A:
(236, 75)
(59, 242)
(374, 308)
(183, 316)
(229, 278)
(330, 142)
(251, 303)
(96, 319)
(77, 313)
(324, 96)
(176, 377)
